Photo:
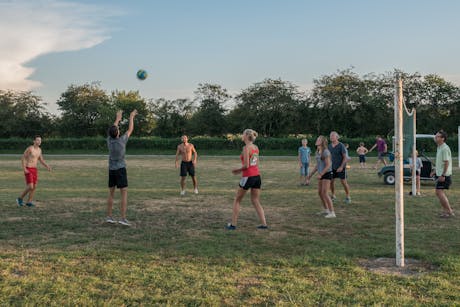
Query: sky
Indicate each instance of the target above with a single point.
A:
(48, 45)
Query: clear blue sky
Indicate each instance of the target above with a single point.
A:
(48, 45)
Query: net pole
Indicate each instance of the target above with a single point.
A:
(399, 188)
(414, 154)
(458, 148)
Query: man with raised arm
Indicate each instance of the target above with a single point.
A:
(118, 177)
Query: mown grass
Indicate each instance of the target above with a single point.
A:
(178, 253)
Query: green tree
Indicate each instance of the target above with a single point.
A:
(209, 119)
(86, 111)
(171, 116)
(23, 115)
(268, 107)
(127, 102)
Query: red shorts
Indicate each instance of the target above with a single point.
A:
(32, 175)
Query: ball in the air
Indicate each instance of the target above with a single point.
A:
(141, 74)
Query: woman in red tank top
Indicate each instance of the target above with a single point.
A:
(250, 179)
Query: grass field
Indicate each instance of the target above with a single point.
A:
(178, 253)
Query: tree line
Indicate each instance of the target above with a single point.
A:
(353, 105)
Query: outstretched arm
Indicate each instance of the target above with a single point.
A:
(118, 118)
(131, 123)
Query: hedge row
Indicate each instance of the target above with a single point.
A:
(201, 143)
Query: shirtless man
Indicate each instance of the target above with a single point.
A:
(29, 160)
(186, 150)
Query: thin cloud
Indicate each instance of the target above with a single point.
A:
(29, 29)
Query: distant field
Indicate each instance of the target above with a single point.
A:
(178, 253)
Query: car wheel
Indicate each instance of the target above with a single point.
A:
(389, 178)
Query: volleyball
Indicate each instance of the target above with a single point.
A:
(141, 74)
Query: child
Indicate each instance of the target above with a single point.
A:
(304, 161)
(362, 151)
(418, 169)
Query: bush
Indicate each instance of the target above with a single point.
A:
(286, 145)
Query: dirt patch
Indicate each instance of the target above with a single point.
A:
(387, 266)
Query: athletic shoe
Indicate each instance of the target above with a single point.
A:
(229, 226)
(110, 220)
(348, 200)
(19, 202)
(330, 215)
(324, 212)
(182, 193)
(124, 222)
(446, 215)
(262, 227)
(195, 191)
(419, 194)
(333, 198)
(30, 205)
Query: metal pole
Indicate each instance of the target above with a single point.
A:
(413, 154)
(399, 188)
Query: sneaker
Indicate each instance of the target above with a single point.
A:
(182, 193)
(418, 194)
(330, 215)
(333, 198)
(348, 200)
(262, 227)
(447, 215)
(19, 202)
(110, 220)
(229, 226)
(195, 191)
(324, 212)
(30, 204)
(124, 222)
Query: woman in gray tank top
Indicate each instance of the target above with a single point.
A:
(324, 168)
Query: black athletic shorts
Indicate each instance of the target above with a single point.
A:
(327, 176)
(362, 159)
(187, 167)
(341, 175)
(118, 178)
(443, 185)
(253, 182)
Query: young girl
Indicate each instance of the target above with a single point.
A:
(418, 169)
(324, 168)
(250, 179)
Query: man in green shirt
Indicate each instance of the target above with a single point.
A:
(443, 172)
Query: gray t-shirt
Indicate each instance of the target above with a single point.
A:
(337, 154)
(321, 160)
(117, 148)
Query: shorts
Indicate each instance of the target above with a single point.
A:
(443, 185)
(118, 178)
(381, 155)
(417, 173)
(304, 169)
(253, 182)
(327, 176)
(187, 167)
(362, 159)
(32, 175)
(341, 175)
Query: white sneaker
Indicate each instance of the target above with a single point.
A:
(324, 212)
(418, 194)
(195, 191)
(124, 222)
(182, 193)
(110, 220)
(330, 215)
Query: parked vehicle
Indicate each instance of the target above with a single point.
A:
(388, 172)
